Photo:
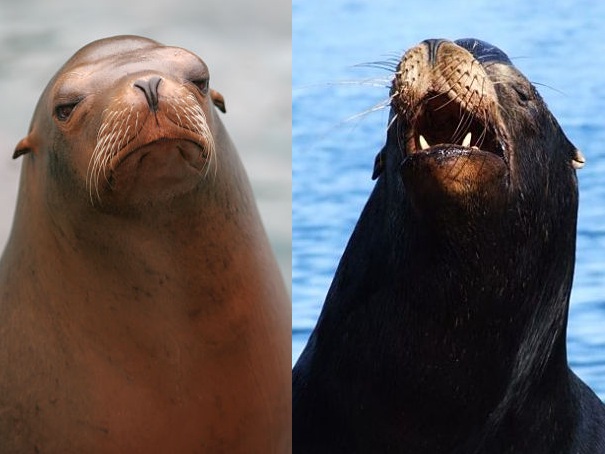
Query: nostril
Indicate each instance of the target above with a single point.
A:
(150, 88)
(433, 45)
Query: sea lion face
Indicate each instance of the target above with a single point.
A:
(126, 120)
(472, 130)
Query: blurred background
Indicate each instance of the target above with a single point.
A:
(246, 45)
(558, 45)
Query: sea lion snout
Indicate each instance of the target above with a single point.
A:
(432, 45)
(149, 86)
(447, 100)
(449, 127)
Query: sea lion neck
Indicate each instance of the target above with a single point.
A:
(470, 266)
(430, 302)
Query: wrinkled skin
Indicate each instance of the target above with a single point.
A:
(145, 312)
(444, 328)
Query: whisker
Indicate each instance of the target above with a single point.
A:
(385, 66)
(375, 108)
(393, 120)
(561, 92)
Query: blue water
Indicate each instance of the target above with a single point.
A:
(558, 45)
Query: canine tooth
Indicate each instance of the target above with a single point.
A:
(467, 140)
(423, 143)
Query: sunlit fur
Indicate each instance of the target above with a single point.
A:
(121, 124)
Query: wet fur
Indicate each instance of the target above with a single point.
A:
(444, 328)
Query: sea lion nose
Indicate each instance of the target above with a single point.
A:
(150, 88)
(433, 45)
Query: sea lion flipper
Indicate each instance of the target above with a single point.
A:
(23, 147)
(218, 100)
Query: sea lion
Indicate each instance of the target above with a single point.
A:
(444, 328)
(141, 309)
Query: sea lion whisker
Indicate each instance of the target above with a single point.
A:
(466, 119)
(97, 153)
(380, 64)
(111, 116)
(125, 138)
(375, 108)
(377, 82)
(110, 148)
(107, 122)
(192, 111)
(482, 136)
(102, 129)
(550, 87)
(452, 99)
(207, 167)
(102, 146)
(400, 136)
(105, 153)
(322, 134)
(393, 120)
(124, 135)
(176, 113)
(91, 181)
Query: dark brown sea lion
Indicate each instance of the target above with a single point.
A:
(141, 308)
(444, 328)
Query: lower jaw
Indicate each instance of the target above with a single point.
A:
(159, 171)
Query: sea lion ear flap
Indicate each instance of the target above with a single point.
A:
(23, 147)
(218, 100)
(578, 160)
(378, 164)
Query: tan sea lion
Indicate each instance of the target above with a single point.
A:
(141, 308)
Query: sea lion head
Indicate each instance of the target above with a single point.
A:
(125, 121)
(472, 133)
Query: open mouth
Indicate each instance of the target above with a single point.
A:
(441, 123)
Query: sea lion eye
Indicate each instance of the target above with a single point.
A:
(63, 111)
(522, 93)
(201, 84)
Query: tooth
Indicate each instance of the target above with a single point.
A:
(423, 143)
(467, 140)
